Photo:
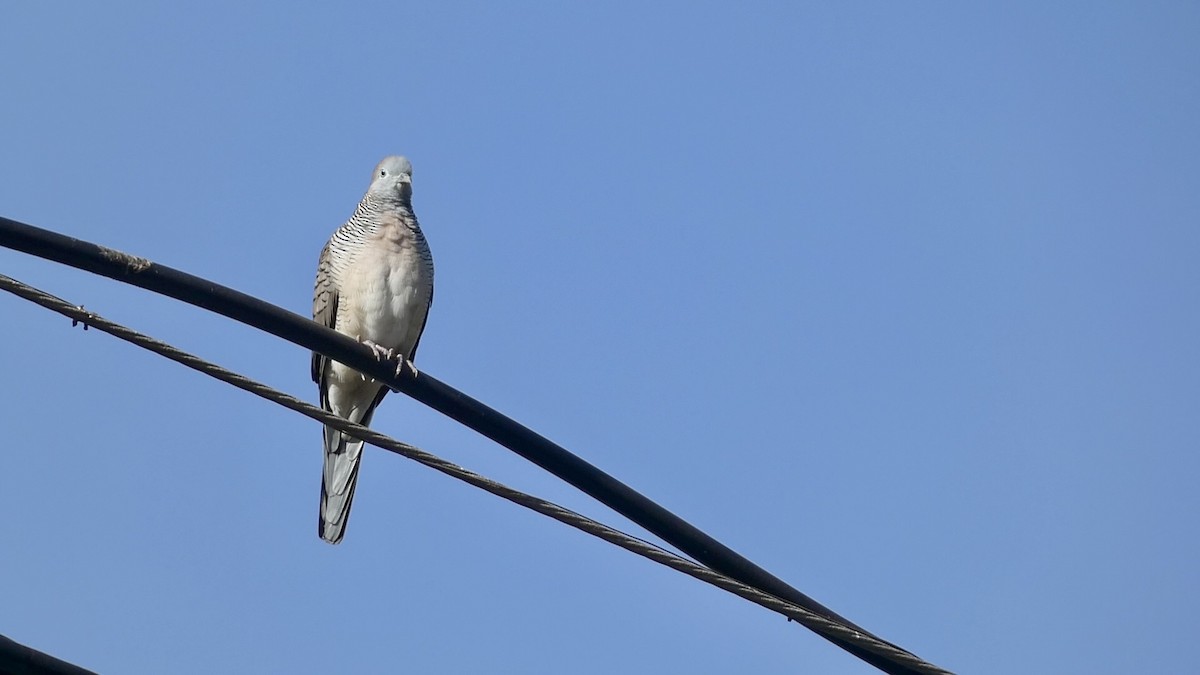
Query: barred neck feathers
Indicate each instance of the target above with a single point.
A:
(376, 203)
(365, 217)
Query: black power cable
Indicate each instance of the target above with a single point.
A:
(17, 659)
(433, 393)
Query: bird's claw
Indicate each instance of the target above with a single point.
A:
(401, 365)
(405, 362)
(381, 353)
(386, 354)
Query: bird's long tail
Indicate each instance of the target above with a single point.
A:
(339, 477)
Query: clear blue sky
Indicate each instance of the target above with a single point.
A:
(900, 301)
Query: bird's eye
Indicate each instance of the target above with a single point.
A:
(383, 173)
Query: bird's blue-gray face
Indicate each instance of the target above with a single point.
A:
(393, 178)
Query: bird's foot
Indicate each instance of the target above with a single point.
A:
(401, 364)
(381, 353)
(412, 368)
(400, 368)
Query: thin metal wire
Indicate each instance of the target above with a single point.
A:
(811, 620)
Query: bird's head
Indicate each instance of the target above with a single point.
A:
(393, 178)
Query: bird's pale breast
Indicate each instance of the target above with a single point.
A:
(390, 285)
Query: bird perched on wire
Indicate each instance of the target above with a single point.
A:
(374, 284)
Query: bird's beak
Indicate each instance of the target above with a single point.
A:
(405, 178)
